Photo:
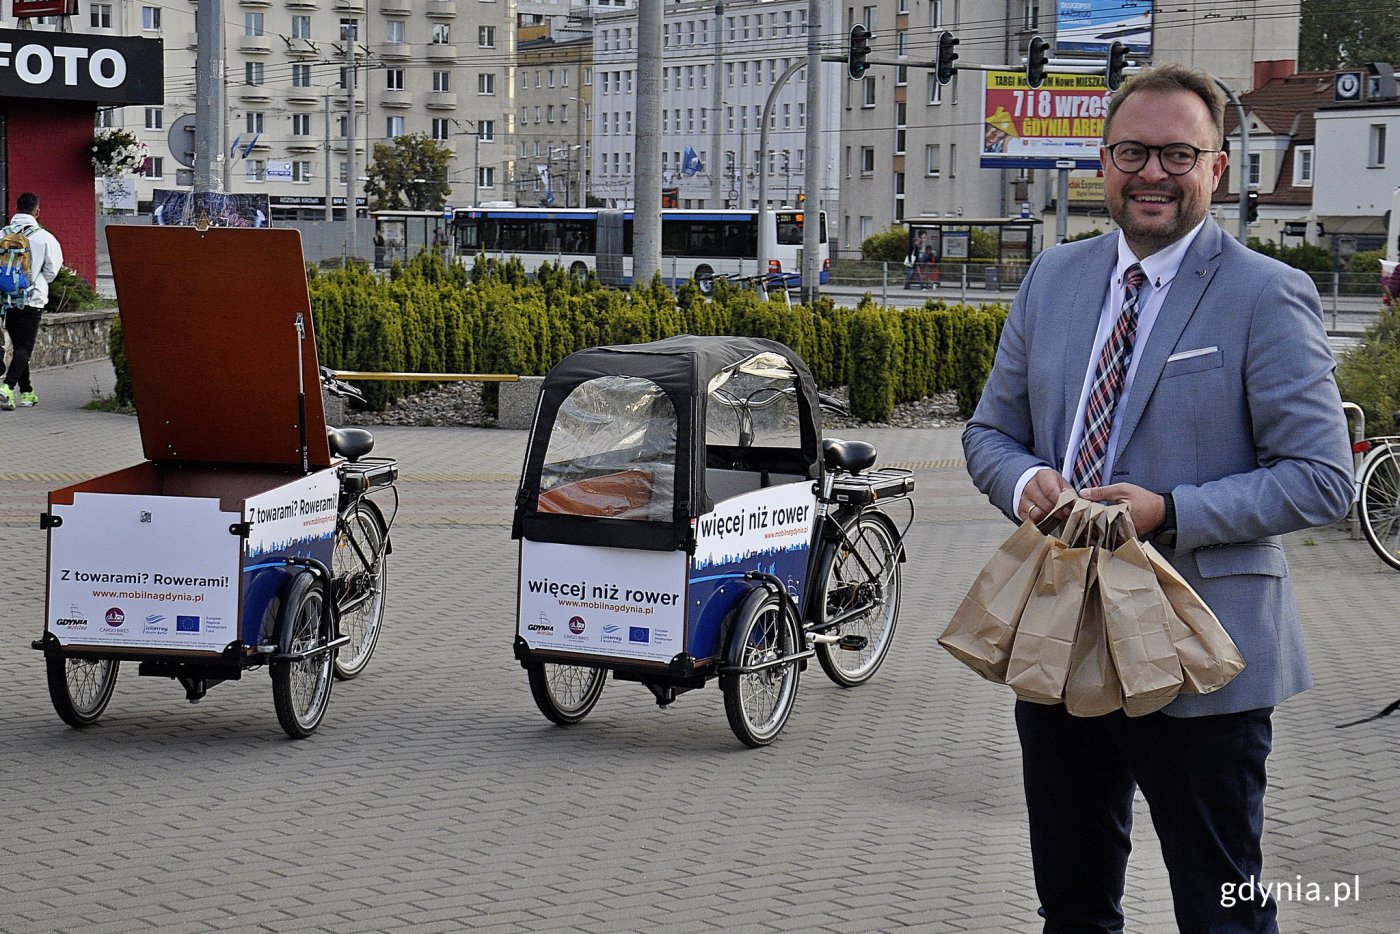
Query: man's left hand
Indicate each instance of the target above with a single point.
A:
(1148, 509)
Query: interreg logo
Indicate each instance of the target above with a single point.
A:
(154, 618)
(577, 625)
(187, 624)
(115, 617)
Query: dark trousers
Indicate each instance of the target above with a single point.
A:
(23, 325)
(1204, 780)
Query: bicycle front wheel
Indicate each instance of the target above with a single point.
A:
(360, 566)
(80, 687)
(1379, 506)
(301, 689)
(759, 701)
(861, 586)
(565, 693)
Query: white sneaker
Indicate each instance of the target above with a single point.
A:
(7, 398)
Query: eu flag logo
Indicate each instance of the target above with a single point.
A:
(638, 634)
(187, 624)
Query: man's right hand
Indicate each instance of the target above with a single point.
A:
(1040, 495)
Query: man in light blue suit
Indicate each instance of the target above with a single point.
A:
(1168, 367)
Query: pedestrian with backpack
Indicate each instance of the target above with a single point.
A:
(30, 259)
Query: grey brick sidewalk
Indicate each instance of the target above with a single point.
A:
(436, 798)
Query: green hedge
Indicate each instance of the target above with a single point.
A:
(493, 318)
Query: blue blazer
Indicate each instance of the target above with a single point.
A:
(1234, 409)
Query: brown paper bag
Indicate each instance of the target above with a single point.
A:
(1040, 654)
(1092, 688)
(984, 625)
(1136, 615)
(1209, 657)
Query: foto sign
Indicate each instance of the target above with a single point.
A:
(73, 67)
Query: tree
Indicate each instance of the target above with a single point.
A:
(409, 172)
(1347, 34)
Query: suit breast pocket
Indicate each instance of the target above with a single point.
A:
(1191, 362)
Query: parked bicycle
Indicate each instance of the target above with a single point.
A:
(1378, 493)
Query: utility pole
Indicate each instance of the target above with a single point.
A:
(812, 160)
(716, 104)
(646, 212)
(350, 33)
(330, 213)
(210, 132)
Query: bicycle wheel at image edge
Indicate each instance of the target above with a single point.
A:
(301, 689)
(359, 590)
(861, 573)
(80, 687)
(758, 703)
(1379, 505)
(565, 693)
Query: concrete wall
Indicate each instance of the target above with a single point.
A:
(73, 337)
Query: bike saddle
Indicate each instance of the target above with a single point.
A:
(850, 456)
(350, 443)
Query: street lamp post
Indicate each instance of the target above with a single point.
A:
(476, 156)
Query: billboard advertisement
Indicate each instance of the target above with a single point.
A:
(1089, 26)
(1025, 128)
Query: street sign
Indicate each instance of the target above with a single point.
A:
(448, 212)
(181, 140)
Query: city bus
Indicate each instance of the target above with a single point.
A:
(695, 244)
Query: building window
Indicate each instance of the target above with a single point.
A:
(932, 160)
(150, 18)
(935, 90)
(253, 121)
(1303, 166)
(154, 168)
(393, 127)
(441, 129)
(155, 118)
(486, 176)
(867, 87)
(349, 27)
(1032, 15)
(1375, 152)
(301, 124)
(393, 79)
(301, 27)
(486, 131)
(254, 170)
(101, 16)
(442, 34)
(301, 76)
(253, 73)
(394, 31)
(486, 83)
(486, 37)
(867, 160)
(252, 24)
(104, 118)
(1255, 170)
(301, 171)
(442, 81)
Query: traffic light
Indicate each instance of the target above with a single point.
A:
(856, 64)
(1117, 61)
(1251, 206)
(1037, 57)
(943, 64)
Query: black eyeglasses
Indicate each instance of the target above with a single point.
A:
(1175, 158)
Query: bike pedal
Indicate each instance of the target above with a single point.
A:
(853, 643)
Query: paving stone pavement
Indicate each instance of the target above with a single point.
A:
(436, 798)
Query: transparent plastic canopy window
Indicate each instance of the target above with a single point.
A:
(612, 452)
(754, 404)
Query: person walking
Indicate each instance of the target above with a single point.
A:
(22, 321)
(1170, 368)
(913, 263)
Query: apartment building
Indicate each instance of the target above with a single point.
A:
(437, 67)
(741, 49)
(554, 96)
(911, 147)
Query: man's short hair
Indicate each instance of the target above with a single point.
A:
(27, 202)
(1169, 78)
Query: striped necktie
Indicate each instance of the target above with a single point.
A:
(1109, 375)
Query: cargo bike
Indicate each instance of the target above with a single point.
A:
(253, 535)
(681, 520)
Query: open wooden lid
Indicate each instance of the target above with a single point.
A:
(210, 324)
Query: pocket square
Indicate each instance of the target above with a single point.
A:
(1188, 354)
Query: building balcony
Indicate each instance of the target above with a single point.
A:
(395, 7)
(301, 49)
(442, 9)
(302, 4)
(192, 41)
(304, 97)
(394, 51)
(255, 4)
(303, 146)
(442, 53)
(254, 94)
(442, 100)
(349, 6)
(396, 99)
(255, 45)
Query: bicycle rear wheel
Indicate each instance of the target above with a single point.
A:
(80, 687)
(565, 693)
(359, 589)
(1379, 506)
(861, 586)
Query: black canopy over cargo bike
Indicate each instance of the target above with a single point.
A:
(681, 520)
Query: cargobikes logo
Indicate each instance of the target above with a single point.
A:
(577, 625)
(115, 617)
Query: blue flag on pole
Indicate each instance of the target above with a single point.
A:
(251, 143)
(690, 163)
(233, 150)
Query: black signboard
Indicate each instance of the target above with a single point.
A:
(72, 67)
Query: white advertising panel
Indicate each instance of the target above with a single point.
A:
(288, 520)
(602, 601)
(764, 522)
(144, 571)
